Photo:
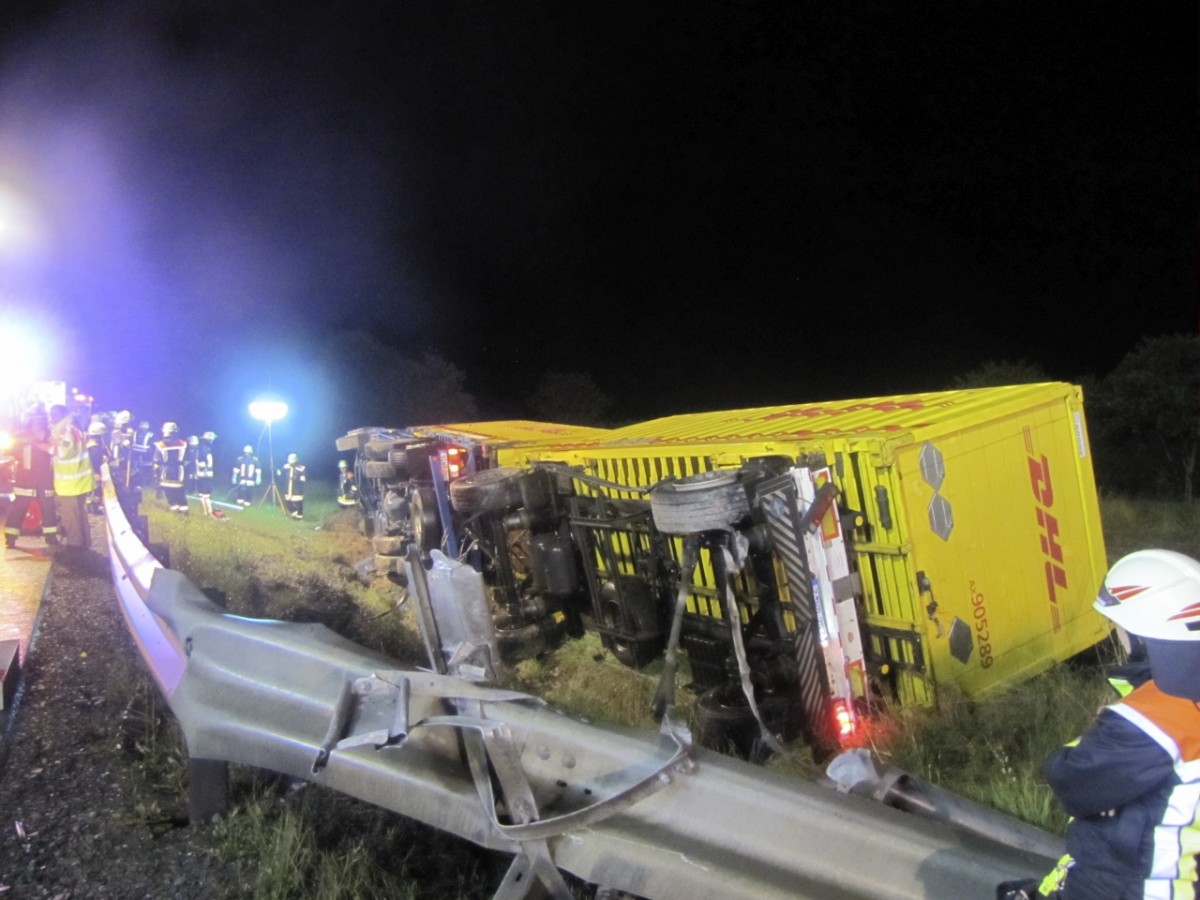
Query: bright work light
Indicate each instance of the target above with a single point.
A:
(268, 409)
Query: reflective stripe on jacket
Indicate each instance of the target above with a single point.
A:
(168, 459)
(295, 478)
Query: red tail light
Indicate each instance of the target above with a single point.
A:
(843, 720)
(453, 463)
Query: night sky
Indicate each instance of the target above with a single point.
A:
(704, 205)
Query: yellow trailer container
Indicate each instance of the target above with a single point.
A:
(974, 531)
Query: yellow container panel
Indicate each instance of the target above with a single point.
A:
(973, 500)
(1004, 526)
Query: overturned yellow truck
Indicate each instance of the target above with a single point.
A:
(809, 563)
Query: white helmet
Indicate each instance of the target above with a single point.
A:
(1154, 594)
(293, 458)
(209, 435)
(342, 464)
(193, 440)
(169, 428)
(97, 428)
(247, 449)
(123, 417)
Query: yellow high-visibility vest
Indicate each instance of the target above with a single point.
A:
(72, 468)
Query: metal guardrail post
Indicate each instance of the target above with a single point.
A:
(638, 812)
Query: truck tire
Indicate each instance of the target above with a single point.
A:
(634, 652)
(487, 491)
(426, 524)
(724, 720)
(382, 470)
(377, 448)
(709, 501)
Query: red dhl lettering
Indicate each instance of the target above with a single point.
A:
(812, 412)
(1043, 494)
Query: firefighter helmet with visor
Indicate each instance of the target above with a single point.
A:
(1154, 594)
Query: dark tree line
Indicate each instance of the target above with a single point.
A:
(1143, 417)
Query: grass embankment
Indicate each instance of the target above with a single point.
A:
(988, 750)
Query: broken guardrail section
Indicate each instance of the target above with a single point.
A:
(643, 813)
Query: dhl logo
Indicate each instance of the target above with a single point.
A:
(1043, 493)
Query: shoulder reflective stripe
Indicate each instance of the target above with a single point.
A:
(1155, 733)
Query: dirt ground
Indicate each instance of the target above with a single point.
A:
(80, 814)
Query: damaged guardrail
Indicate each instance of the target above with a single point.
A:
(633, 811)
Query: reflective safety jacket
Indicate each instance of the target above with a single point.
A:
(247, 471)
(142, 445)
(73, 473)
(169, 455)
(1132, 783)
(120, 447)
(293, 478)
(204, 460)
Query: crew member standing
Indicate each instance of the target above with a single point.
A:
(120, 450)
(73, 478)
(32, 480)
(246, 475)
(97, 451)
(142, 449)
(170, 453)
(205, 471)
(347, 487)
(1132, 782)
(293, 477)
(191, 457)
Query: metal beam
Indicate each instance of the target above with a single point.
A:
(640, 812)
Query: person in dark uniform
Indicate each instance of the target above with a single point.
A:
(97, 450)
(1132, 782)
(347, 487)
(247, 475)
(143, 454)
(293, 475)
(170, 453)
(120, 450)
(205, 470)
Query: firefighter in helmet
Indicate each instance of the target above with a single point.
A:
(190, 457)
(347, 486)
(120, 449)
(247, 475)
(1132, 781)
(205, 470)
(170, 463)
(293, 475)
(142, 451)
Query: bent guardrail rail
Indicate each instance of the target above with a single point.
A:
(637, 812)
